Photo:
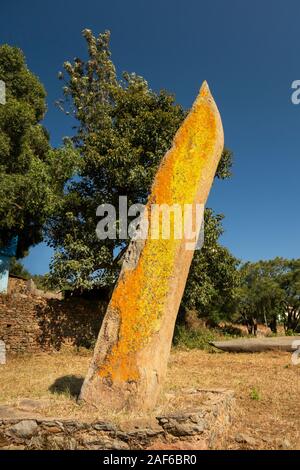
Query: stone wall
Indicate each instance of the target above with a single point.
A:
(203, 427)
(31, 323)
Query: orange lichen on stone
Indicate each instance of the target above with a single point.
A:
(132, 349)
(140, 295)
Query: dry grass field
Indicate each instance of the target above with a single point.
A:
(266, 386)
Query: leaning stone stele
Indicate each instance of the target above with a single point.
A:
(132, 350)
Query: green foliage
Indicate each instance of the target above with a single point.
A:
(255, 394)
(193, 339)
(31, 173)
(289, 282)
(17, 269)
(41, 281)
(214, 278)
(200, 337)
(270, 292)
(123, 130)
(225, 165)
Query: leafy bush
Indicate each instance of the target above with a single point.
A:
(193, 339)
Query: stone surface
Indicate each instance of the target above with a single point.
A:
(34, 324)
(2, 353)
(283, 444)
(101, 426)
(27, 404)
(133, 346)
(25, 428)
(279, 343)
(214, 412)
(185, 429)
(7, 411)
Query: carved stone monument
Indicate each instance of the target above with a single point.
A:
(132, 350)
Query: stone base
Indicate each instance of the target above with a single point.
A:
(200, 422)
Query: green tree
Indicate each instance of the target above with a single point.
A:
(123, 131)
(41, 281)
(270, 293)
(260, 296)
(17, 269)
(32, 175)
(290, 284)
(214, 276)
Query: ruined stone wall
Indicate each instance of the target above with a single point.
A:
(30, 323)
(204, 426)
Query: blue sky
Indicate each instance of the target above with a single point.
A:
(248, 51)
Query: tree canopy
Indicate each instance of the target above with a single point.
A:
(214, 278)
(32, 175)
(270, 293)
(123, 130)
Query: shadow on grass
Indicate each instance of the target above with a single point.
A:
(67, 385)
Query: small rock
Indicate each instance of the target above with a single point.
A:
(7, 411)
(105, 444)
(25, 428)
(104, 427)
(50, 423)
(163, 420)
(119, 445)
(61, 443)
(185, 429)
(245, 439)
(285, 444)
(32, 405)
(53, 429)
(144, 433)
(72, 426)
(122, 435)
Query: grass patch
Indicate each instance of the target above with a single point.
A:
(57, 377)
(254, 394)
